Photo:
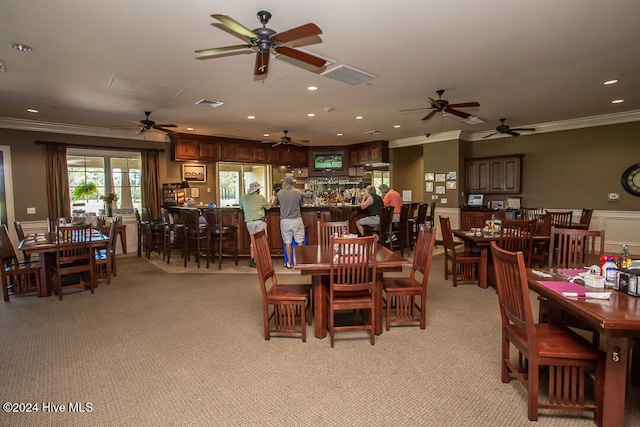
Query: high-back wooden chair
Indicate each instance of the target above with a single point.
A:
(17, 278)
(575, 248)
(530, 213)
(331, 228)
(585, 218)
(561, 219)
(517, 235)
(284, 307)
(75, 258)
(542, 237)
(222, 236)
(154, 233)
(473, 220)
(339, 214)
(568, 356)
(173, 233)
(431, 218)
(20, 233)
(417, 221)
(385, 229)
(401, 230)
(465, 266)
(352, 278)
(196, 238)
(408, 295)
(106, 257)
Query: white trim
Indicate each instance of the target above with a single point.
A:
(8, 191)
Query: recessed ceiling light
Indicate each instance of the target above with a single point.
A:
(265, 134)
(251, 117)
(311, 114)
(611, 82)
(189, 128)
(359, 117)
(32, 110)
(312, 88)
(21, 47)
(396, 126)
(339, 134)
(617, 101)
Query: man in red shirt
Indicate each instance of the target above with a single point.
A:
(391, 197)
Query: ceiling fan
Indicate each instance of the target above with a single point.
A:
(286, 140)
(263, 41)
(442, 105)
(502, 128)
(148, 124)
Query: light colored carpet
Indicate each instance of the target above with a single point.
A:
(158, 349)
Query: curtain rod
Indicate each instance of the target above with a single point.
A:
(38, 142)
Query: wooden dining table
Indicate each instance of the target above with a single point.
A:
(617, 319)
(483, 242)
(45, 246)
(315, 261)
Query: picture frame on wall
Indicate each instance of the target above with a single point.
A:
(440, 177)
(440, 189)
(452, 176)
(429, 176)
(428, 187)
(194, 174)
(451, 185)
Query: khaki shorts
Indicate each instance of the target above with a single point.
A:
(254, 227)
(292, 229)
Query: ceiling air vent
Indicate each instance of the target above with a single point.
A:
(348, 75)
(372, 132)
(210, 103)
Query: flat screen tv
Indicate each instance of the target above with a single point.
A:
(475, 200)
(328, 161)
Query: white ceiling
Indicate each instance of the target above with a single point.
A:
(532, 62)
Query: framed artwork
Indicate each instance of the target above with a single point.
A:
(194, 173)
(452, 175)
(440, 177)
(195, 192)
(513, 202)
(429, 176)
(428, 187)
(440, 189)
(451, 185)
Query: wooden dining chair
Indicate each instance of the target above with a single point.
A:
(517, 235)
(473, 220)
(352, 281)
(408, 295)
(530, 213)
(431, 218)
(20, 232)
(196, 237)
(173, 233)
(384, 230)
(542, 237)
(585, 218)
(420, 219)
(154, 233)
(222, 236)
(75, 266)
(561, 219)
(400, 230)
(569, 357)
(291, 304)
(105, 258)
(339, 214)
(575, 248)
(17, 278)
(465, 265)
(331, 228)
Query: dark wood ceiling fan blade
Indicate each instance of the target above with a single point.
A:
(216, 50)
(235, 26)
(428, 116)
(413, 109)
(262, 64)
(524, 129)
(512, 133)
(301, 56)
(465, 104)
(276, 144)
(491, 134)
(300, 32)
(455, 112)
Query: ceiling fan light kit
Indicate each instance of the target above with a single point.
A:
(265, 41)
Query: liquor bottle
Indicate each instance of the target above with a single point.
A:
(624, 257)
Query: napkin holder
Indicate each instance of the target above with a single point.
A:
(594, 281)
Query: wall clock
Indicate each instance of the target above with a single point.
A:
(631, 179)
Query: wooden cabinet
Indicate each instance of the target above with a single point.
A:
(185, 149)
(260, 154)
(494, 175)
(207, 151)
(369, 153)
(301, 173)
(227, 151)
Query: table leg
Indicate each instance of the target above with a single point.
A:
(377, 298)
(46, 285)
(615, 380)
(319, 306)
(483, 273)
(123, 240)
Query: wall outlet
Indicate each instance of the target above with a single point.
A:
(208, 190)
(31, 211)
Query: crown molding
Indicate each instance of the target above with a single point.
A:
(39, 126)
(580, 123)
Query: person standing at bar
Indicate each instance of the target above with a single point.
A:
(290, 200)
(254, 206)
(391, 197)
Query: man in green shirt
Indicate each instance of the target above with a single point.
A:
(254, 205)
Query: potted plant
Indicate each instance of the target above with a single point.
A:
(84, 190)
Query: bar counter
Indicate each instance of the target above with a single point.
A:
(311, 215)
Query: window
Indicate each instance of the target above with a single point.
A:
(110, 172)
(235, 178)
